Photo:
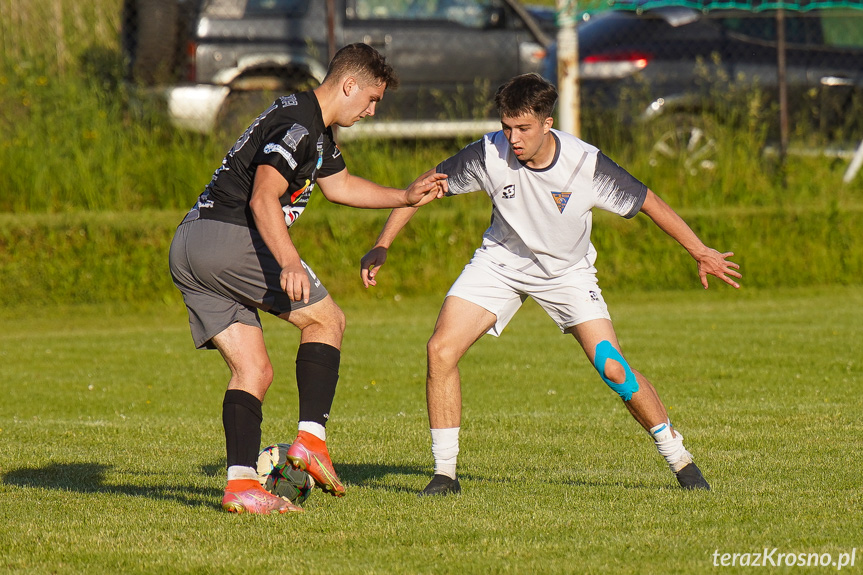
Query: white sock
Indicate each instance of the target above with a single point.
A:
(445, 450)
(241, 472)
(670, 446)
(314, 428)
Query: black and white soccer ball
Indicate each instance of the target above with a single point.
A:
(279, 478)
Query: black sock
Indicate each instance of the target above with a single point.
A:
(242, 417)
(317, 375)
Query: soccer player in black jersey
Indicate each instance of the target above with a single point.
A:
(232, 255)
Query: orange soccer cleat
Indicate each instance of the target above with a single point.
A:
(310, 454)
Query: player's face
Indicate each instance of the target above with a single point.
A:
(530, 139)
(361, 102)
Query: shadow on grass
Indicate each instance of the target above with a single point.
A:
(412, 478)
(91, 478)
(404, 478)
(408, 478)
(392, 478)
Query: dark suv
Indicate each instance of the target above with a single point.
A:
(220, 62)
(683, 64)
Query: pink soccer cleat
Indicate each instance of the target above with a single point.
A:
(241, 497)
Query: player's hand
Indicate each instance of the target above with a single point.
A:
(717, 264)
(426, 188)
(371, 263)
(295, 282)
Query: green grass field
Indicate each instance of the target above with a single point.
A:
(111, 446)
(111, 450)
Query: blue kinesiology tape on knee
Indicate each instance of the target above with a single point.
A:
(606, 351)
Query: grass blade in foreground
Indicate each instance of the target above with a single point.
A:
(111, 453)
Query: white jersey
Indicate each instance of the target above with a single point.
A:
(541, 219)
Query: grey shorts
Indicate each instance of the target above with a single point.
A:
(226, 274)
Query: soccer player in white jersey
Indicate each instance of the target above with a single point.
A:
(543, 184)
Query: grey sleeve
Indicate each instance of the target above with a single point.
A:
(616, 189)
(465, 170)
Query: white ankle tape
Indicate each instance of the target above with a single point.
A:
(314, 428)
(241, 472)
(670, 446)
(445, 450)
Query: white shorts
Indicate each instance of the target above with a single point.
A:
(569, 300)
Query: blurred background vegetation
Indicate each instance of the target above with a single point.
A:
(93, 181)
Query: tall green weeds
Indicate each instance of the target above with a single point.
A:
(74, 136)
(93, 180)
(84, 143)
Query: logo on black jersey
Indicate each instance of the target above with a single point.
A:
(294, 136)
(299, 193)
(289, 100)
(560, 199)
(508, 192)
(320, 146)
(272, 147)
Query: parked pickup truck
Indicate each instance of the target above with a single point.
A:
(218, 63)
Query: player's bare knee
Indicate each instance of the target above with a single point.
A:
(266, 374)
(433, 348)
(340, 321)
(327, 322)
(332, 316)
(614, 370)
(440, 352)
(256, 376)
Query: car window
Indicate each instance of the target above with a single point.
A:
(234, 9)
(469, 13)
(763, 27)
(842, 30)
(289, 8)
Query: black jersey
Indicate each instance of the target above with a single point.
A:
(291, 136)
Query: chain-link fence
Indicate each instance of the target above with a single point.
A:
(219, 62)
(668, 64)
(223, 61)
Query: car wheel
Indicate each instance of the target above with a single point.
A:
(241, 107)
(689, 142)
(150, 40)
(252, 95)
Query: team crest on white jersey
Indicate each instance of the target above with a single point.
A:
(508, 192)
(560, 199)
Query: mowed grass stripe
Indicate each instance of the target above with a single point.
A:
(111, 452)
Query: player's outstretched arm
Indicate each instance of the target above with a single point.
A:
(349, 190)
(375, 258)
(710, 261)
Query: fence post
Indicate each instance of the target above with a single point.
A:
(569, 109)
(855, 164)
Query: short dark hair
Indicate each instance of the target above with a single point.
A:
(526, 94)
(363, 62)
